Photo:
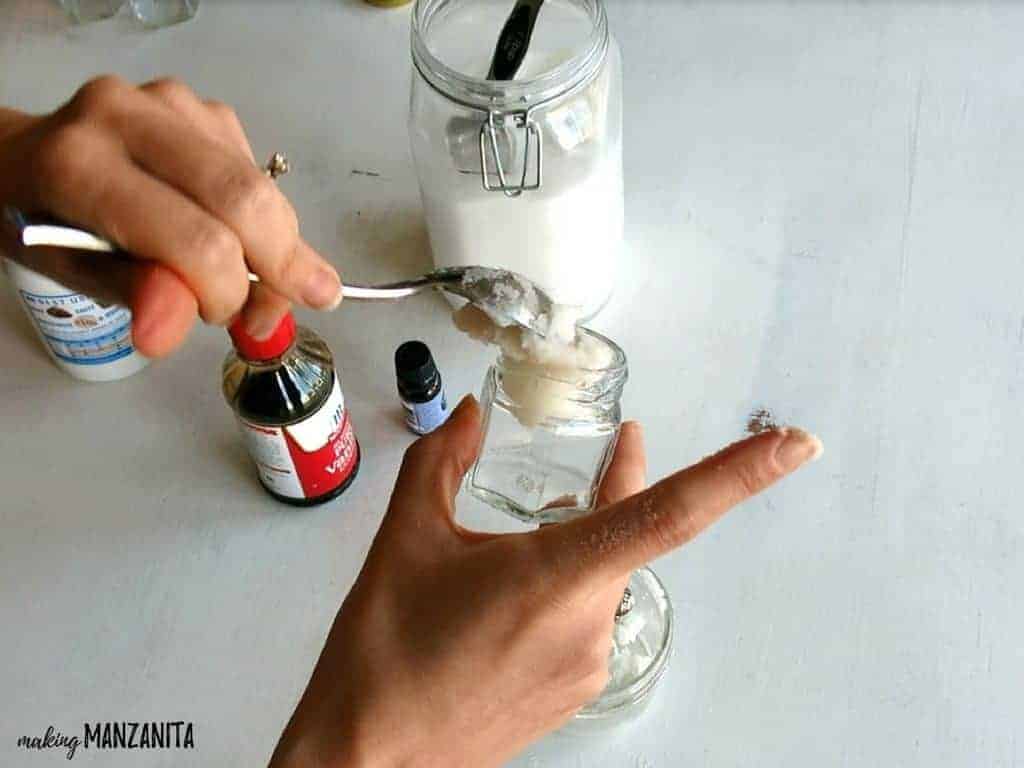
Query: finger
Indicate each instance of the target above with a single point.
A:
(144, 216)
(627, 473)
(215, 119)
(163, 310)
(263, 311)
(434, 465)
(236, 192)
(230, 126)
(620, 538)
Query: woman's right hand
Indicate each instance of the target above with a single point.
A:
(172, 180)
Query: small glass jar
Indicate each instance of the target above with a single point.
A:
(548, 436)
(151, 13)
(163, 13)
(83, 11)
(522, 174)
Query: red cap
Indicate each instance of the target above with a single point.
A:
(272, 346)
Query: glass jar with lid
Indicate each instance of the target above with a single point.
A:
(523, 174)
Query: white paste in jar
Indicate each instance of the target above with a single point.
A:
(541, 375)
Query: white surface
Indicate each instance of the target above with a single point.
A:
(823, 212)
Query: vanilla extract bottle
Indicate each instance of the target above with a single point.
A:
(287, 397)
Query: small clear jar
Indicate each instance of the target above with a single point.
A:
(548, 436)
(163, 13)
(151, 13)
(522, 174)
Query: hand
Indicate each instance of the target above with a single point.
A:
(457, 648)
(172, 180)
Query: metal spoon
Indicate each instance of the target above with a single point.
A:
(508, 298)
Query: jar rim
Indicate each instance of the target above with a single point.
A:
(618, 362)
(590, 385)
(508, 95)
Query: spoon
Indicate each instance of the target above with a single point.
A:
(514, 40)
(507, 298)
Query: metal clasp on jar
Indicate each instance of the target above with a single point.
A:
(489, 146)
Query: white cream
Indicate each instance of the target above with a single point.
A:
(541, 374)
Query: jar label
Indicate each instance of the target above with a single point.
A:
(307, 459)
(423, 418)
(79, 330)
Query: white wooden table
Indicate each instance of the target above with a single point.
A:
(824, 219)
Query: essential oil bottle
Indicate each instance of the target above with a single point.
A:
(286, 395)
(420, 388)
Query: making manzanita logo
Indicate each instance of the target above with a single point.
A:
(168, 734)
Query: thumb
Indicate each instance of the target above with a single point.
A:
(434, 465)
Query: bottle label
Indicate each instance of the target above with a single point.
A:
(423, 418)
(307, 459)
(79, 330)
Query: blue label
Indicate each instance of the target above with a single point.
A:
(423, 418)
(79, 330)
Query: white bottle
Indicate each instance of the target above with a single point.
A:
(88, 340)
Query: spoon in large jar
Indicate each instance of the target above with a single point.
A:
(507, 297)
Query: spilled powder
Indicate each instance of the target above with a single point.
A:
(762, 420)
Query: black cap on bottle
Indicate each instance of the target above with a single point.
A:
(414, 367)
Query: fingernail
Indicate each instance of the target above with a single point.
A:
(323, 289)
(260, 325)
(464, 404)
(634, 426)
(797, 448)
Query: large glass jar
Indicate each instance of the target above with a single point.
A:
(522, 174)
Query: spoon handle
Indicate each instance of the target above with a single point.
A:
(514, 40)
(44, 232)
(403, 288)
(389, 292)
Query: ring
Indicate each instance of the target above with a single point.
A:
(276, 166)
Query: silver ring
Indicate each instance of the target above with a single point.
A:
(277, 165)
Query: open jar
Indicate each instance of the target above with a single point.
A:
(522, 174)
(548, 435)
